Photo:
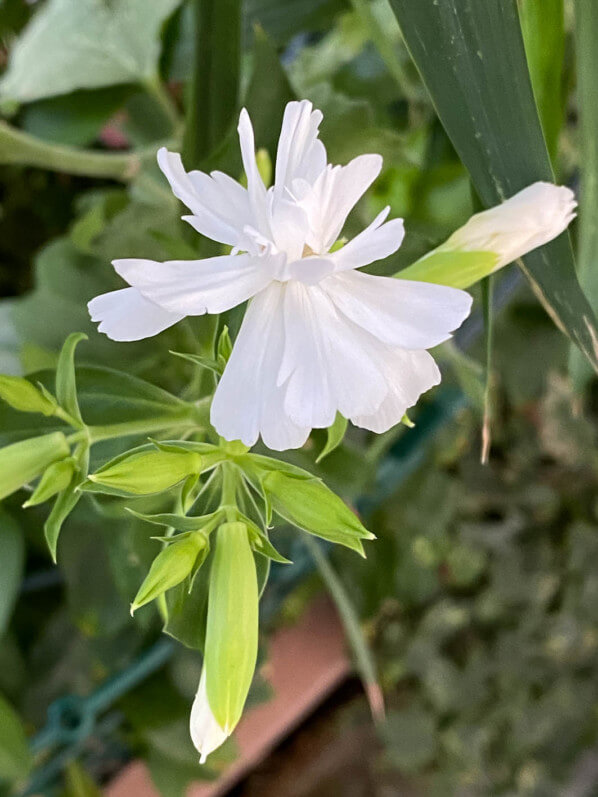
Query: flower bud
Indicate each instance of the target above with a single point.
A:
(54, 480)
(232, 626)
(310, 505)
(21, 462)
(171, 566)
(206, 733)
(531, 218)
(24, 396)
(147, 472)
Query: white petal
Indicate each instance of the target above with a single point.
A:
(405, 313)
(300, 154)
(335, 193)
(126, 315)
(529, 219)
(248, 401)
(220, 205)
(258, 195)
(206, 733)
(329, 364)
(309, 270)
(375, 243)
(194, 287)
(409, 374)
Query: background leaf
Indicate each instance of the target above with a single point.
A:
(15, 758)
(471, 57)
(86, 44)
(12, 558)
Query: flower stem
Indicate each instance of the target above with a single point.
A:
(229, 490)
(27, 150)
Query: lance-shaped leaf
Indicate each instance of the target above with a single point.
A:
(171, 566)
(335, 435)
(66, 384)
(16, 759)
(21, 462)
(471, 57)
(232, 627)
(25, 397)
(144, 472)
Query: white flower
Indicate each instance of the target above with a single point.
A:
(206, 733)
(531, 218)
(318, 336)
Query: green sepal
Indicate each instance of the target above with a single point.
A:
(20, 394)
(260, 542)
(203, 362)
(455, 269)
(21, 462)
(336, 434)
(66, 384)
(232, 625)
(55, 479)
(184, 523)
(170, 567)
(224, 347)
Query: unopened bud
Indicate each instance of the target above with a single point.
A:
(21, 462)
(147, 472)
(24, 396)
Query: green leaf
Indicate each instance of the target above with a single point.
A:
(455, 269)
(335, 435)
(55, 479)
(586, 27)
(11, 566)
(78, 783)
(21, 462)
(15, 758)
(186, 610)
(232, 625)
(215, 82)
(471, 57)
(66, 384)
(543, 26)
(87, 44)
(171, 566)
(65, 502)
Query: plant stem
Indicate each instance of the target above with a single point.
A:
(157, 90)
(363, 655)
(229, 490)
(27, 150)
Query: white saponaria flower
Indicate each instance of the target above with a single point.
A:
(206, 733)
(319, 336)
(528, 219)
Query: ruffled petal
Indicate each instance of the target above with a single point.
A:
(206, 733)
(195, 287)
(300, 154)
(334, 194)
(409, 374)
(219, 204)
(329, 364)
(248, 402)
(258, 195)
(126, 315)
(376, 242)
(405, 313)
